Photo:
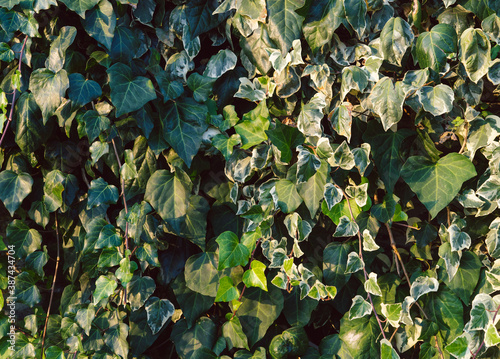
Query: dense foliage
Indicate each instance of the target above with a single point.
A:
(249, 179)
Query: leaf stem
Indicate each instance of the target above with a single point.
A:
(249, 266)
(11, 113)
(360, 241)
(53, 287)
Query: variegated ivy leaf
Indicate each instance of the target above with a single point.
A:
(393, 313)
(332, 195)
(423, 285)
(354, 263)
(369, 244)
(346, 228)
(371, 285)
(359, 308)
(459, 240)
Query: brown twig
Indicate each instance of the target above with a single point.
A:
(122, 182)
(398, 257)
(361, 257)
(11, 113)
(53, 287)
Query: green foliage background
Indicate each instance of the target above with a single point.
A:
(250, 178)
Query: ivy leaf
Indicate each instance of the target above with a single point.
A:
(387, 100)
(104, 287)
(393, 313)
(109, 257)
(183, 123)
(14, 188)
(359, 308)
(255, 277)
(433, 47)
(84, 318)
(126, 270)
(491, 336)
(423, 285)
(364, 344)
(48, 88)
(322, 19)
(285, 24)
(354, 263)
(437, 183)
(481, 312)
(341, 119)
(226, 144)
(255, 303)
(459, 347)
(100, 23)
(27, 290)
(220, 63)
(159, 311)
(200, 18)
(115, 338)
(37, 260)
(355, 12)
(384, 211)
(346, 228)
(128, 93)
(465, 280)
(459, 240)
(95, 124)
(369, 243)
(108, 237)
(82, 91)
(436, 100)
(396, 37)
(227, 291)
(26, 240)
(371, 285)
(80, 6)
(168, 193)
(139, 289)
(201, 86)
(285, 138)
(288, 197)
(201, 274)
(124, 47)
(233, 333)
(474, 53)
(387, 351)
(101, 193)
(58, 48)
(333, 195)
(231, 252)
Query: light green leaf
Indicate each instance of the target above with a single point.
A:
(387, 101)
(436, 100)
(128, 93)
(359, 308)
(101, 193)
(255, 277)
(80, 6)
(128, 171)
(100, 23)
(201, 274)
(109, 257)
(436, 184)
(285, 24)
(231, 252)
(227, 291)
(387, 351)
(139, 289)
(168, 193)
(359, 337)
(433, 47)
(126, 270)
(158, 311)
(233, 333)
(371, 285)
(26, 240)
(396, 37)
(423, 285)
(393, 313)
(474, 53)
(459, 347)
(14, 188)
(104, 287)
(183, 123)
(49, 89)
(54, 352)
(491, 336)
(82, 91)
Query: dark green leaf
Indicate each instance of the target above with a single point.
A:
(14, 187)
(159, 311)
(100, 23)
(434, 46)
(26, 240)
(82, 91)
